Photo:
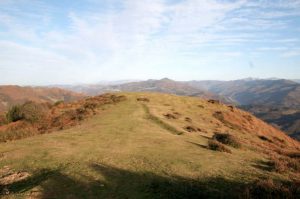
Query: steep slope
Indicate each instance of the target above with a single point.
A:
(153, 146)
(275, 101)
(10, 95)
(285, 118)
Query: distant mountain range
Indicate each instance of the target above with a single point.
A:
(167, 86)
(255, 92)
(163, 86)
(296, 80)
(11, 95)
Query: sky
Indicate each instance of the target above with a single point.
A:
(46, 42)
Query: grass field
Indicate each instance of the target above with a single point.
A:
(130, 150)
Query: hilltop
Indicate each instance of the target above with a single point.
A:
(276, 101)
(11, 95)
(152, 145)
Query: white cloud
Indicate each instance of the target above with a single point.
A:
(291, 53)
(136, 37)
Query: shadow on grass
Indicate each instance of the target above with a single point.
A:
(122, 184)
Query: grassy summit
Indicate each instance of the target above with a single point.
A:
(153, 146)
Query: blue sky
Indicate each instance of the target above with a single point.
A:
(63, 42)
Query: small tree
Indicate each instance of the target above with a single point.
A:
(14, 114)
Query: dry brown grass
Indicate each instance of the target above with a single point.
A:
(294, 154)
(283, 164)
(170, 116)
(293, 164)
(277, 165)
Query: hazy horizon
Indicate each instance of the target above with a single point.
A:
(87, 41)
(123, 81)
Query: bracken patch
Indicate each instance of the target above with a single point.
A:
(267, 188)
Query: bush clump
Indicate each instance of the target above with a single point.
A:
(264, 138)
(33, 112)
(29, 111)
(227, 139)
(217, 146)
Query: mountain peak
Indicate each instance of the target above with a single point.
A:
(166, 79)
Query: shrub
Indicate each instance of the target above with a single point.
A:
(190, 129)
(90, 105)
(227, 139)
(29, 111)
(264, 138)
(14, 114)
(217, 146)
(143, 99)
(58, 102)
(32, 112)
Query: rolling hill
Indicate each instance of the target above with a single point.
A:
(276, 101)
(11, 95)
(149, 145)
